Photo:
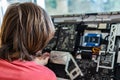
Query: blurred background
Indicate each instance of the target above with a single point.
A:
(62, 7)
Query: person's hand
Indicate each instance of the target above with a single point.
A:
(42, 60)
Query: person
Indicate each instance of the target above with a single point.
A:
(26, 29)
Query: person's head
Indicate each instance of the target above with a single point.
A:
(26, 29)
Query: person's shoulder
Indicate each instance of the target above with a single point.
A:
(32, 66)
(46, 71)
(40, 72)
(27, 70)
(44, 68)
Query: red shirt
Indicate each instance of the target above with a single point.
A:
(24, 70)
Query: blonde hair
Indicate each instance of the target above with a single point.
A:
(26, 28)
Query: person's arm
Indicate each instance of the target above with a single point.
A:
(42, 60)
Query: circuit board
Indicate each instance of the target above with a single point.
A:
(64, 39)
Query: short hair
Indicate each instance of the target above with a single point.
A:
(26, 29)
